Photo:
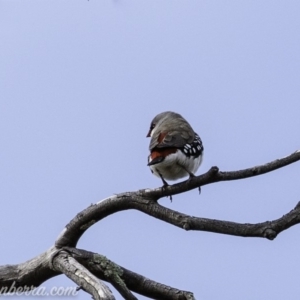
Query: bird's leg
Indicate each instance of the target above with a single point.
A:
(165, 184)
(163, 180)
(191, 176)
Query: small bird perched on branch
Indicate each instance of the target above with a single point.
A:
(176, 150)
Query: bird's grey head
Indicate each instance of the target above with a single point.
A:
(160, 118)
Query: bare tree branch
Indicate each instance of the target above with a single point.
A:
(34, 272)
(268, 229)
(98, 264)
(145, 201)
(87, 267)
(66, 264)
(30, 274)
(214, 175)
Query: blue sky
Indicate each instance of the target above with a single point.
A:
(80, 82)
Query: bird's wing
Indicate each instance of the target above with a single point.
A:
(172, 138)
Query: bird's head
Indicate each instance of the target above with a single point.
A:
(159, 119)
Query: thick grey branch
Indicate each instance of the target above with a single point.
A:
(100, 266)
(77, 265)
(29, 274)
(66, 264)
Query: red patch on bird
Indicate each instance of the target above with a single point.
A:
(161, 137)
(162, 152)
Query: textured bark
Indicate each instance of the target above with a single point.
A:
(82, 276)
(99, 265)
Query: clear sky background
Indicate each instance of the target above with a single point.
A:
(80, 82)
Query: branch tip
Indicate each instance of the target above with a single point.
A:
(213, 170)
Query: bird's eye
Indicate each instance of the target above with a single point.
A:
(152, 126)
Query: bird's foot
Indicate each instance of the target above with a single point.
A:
(165, 185)
(192, 176)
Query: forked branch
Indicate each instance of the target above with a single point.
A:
(146, 201)
(87, 268)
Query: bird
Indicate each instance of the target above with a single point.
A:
(176, 150)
